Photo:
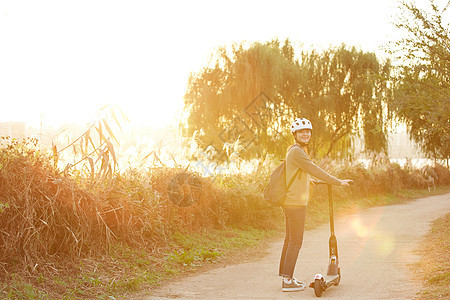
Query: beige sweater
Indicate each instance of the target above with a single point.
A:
(298, 193)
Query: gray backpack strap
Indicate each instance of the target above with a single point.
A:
(299, 173)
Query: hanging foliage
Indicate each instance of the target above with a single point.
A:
(252, 94)
(422, 89)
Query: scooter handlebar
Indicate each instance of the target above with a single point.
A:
(319, 182)
(351, 182)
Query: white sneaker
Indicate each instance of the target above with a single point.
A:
(292, 285)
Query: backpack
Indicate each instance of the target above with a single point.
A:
(275, 191)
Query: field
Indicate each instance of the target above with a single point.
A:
(434, 267)
(67, 234)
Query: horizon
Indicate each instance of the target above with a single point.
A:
(64, 62)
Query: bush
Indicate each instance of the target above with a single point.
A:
(47, 215)
(50, 219)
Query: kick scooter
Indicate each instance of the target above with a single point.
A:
(333, 277)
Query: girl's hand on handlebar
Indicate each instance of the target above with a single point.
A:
(346, 182)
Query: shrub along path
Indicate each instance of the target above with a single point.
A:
(377, 249)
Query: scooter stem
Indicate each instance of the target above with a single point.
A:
(330, 201)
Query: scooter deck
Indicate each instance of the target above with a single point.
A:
(331, 279)
(328, 280)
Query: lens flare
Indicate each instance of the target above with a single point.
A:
(384, 243)
(361, 230)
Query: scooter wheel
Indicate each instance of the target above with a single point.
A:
(318, 287)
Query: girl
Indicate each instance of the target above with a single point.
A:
(294, 207)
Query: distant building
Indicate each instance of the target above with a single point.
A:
(13, 129)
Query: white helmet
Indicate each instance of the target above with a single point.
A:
(300, 123)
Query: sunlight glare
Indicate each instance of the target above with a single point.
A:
(385, 243)
(360, 229)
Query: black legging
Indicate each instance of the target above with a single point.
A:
(295, 225)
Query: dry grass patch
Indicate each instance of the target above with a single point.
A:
(64, 235)
(434, 267)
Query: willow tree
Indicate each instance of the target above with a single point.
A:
(254, 93)
(422, 90)
(344, 91)
(240, 97)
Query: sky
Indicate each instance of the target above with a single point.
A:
(61, 61)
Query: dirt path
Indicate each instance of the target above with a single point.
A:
(376, 249)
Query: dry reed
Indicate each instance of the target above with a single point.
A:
(50, 221)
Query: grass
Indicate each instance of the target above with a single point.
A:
(64, 236)
(434, 266)
(131, 271)
(127, 271)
